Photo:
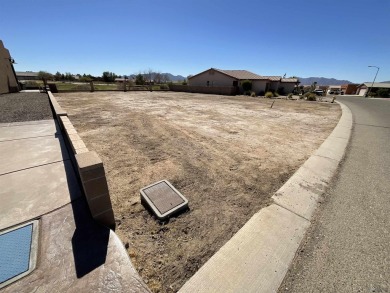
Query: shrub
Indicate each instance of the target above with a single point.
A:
(311, 97)
(276, 94)
(253, 94)
(246, 85)
(290, 96)
(269, 95)
(281, 90)
(372, 94)
(384, 93)
(164, 87)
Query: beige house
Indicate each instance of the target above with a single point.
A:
(232, 78)
(8, 81)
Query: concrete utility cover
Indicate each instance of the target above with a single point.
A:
(163, 199)
(18, 250)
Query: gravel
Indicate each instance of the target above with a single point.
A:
(20, 107)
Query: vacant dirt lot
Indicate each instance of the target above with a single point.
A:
(227, 155)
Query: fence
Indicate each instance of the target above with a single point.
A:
(217, 90)
(92, 86)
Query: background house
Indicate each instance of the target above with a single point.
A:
(349, 89)
(232, 78)
(27, 75)
(366, 87)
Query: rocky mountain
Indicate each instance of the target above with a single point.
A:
(170, 76)
(322, 81)
(175, 77)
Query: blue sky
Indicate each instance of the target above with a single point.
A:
(303, 38)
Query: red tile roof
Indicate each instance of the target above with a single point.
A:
(241, 74)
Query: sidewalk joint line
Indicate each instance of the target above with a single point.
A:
(6, 173)
(55, 136)
(291, 211)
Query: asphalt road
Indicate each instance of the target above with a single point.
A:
(347, 247)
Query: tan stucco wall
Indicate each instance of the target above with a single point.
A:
(259, 86)
(215, 78)
(288, 87)
(8, 82)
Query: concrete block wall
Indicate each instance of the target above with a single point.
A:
(90, 169)
(217, 90)
(93, 179)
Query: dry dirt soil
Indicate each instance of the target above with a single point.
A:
(227, 155)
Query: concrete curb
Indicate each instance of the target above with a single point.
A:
(258, 256)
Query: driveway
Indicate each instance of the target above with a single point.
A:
(347, 247)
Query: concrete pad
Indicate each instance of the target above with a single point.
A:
(333, 148)
(79, 255)
(13, 132)
(257, 257)
(31, 152)
(30, 193)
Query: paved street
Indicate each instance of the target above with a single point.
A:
(347, 248)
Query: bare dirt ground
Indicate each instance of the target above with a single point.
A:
(227, 155)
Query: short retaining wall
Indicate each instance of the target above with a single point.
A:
(217, 90)
(90, 169)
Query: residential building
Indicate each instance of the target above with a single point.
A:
(349, 89)
(8, 81)
(366, 87)
(214, 77)
(27, 75)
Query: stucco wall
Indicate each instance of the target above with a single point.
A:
(215, 78)
(288, 87)
(217, 90)
(8, 82)
(259, 86)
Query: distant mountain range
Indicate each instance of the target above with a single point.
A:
(169, 75)
(175, 77)
(322, 81)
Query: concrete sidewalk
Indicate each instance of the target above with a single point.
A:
(36, 175)
(38, 181)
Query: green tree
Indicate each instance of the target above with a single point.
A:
(139, 79)
(109, 76)
(45, 75)
(57, 76)
(246, 85)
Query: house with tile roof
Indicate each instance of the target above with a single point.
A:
(214, 77)
(367, 87)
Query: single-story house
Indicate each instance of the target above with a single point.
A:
(214, 77)
(27, 75)
(349, 89)
(334, 88)
(364, 88)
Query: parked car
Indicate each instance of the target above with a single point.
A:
(319, 92)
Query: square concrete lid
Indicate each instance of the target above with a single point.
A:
(163, 199)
